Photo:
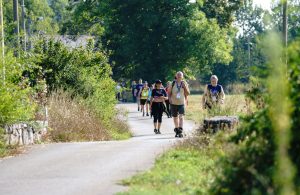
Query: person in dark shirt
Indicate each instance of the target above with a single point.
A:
(213, 94)
(133, 91)
(137, 92)
(158, 96)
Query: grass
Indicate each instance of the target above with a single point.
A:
(189, 168)
(71, 120)
(234, 105)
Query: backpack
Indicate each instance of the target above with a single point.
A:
(173, 83)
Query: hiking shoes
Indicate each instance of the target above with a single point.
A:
(180, 132)
(176, 132)
(155, 131)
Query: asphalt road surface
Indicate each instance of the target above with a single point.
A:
(89, 167)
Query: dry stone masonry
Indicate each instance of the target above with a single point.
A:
(25, 134)
(220, 123)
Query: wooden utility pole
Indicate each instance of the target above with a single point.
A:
(17, 26)
(285, 30)
(285, 22)
(2, 40)
(23, 25)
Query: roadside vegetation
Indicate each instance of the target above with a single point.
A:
(76, 87)
(261, 157)
(190, 167)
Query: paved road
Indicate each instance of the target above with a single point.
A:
(89, 167)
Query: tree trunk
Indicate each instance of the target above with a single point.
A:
(17, 27)
(285, 29)
(24, 38)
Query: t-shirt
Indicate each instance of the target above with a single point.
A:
(214, 92)
(138, 88)
(158, 93)
(178, 97)
(133, 87)
(145, 93)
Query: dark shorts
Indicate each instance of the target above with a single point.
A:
(143, 102)
(177, 109)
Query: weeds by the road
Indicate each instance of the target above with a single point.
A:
(189, 168)
(186, 169)
(234, 105)
(71, 120)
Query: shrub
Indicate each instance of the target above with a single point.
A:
(295, 97)
(15, 102)
(86, 76)
(260, 164)
(71, 120)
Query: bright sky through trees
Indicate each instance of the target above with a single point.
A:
(265, 4)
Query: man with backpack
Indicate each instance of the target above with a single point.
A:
(213, 94)
(178, 93)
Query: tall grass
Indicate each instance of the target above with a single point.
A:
(71, 120)
(234, 105)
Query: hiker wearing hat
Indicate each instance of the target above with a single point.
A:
(158, 96)
(177, 94)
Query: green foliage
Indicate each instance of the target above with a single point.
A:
(293, 19)
(223, 11)
(250, 169)
(260, 164)
(85, 74)
(157, 37)
(3, 150)
(294, 63)
(38, 20)
(15, 102)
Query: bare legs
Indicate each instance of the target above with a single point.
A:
(178, 121)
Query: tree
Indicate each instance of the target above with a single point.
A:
(223, 11)
(153, 39)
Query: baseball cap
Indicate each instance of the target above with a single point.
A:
(158, 81)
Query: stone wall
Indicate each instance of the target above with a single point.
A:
(220, 123)
(25, 134)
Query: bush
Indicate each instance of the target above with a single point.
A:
(15, 102)
(257, 166)
(295, 97)
(86, 76)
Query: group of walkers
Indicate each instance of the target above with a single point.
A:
(155, 99)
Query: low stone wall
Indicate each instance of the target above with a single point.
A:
(25, 134)
(220, 123)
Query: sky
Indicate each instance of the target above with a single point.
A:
(266, 4)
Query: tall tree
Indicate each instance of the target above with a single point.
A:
(153, 39)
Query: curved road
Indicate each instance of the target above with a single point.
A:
(89, 167)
